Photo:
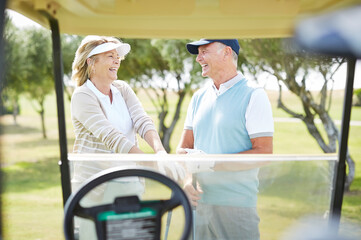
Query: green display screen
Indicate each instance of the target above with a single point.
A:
(111, 215)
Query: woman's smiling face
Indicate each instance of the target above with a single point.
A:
(106, 65)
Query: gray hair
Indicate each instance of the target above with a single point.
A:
(234, 54)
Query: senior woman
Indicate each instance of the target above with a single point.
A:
(106, 115)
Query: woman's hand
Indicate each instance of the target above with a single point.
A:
(167, 167)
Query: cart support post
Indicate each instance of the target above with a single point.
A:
(58, 74)
(340, 167)
(2, 26)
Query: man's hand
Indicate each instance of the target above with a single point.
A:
(193, 151)
(198, 166)
(192, 193)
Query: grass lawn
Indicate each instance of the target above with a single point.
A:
(32, 202)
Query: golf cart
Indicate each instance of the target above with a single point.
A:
(174, 19)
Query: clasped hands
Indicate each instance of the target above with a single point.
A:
(198, 166)
(177, 170)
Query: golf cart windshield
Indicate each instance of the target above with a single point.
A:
(285, 190)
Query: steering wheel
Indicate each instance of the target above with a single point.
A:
(126, 216)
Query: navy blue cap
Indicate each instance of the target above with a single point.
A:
(193, 46)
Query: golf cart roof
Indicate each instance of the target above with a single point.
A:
(174, 18)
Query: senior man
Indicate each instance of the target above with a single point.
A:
(226, 117)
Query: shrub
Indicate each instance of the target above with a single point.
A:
(357, 94)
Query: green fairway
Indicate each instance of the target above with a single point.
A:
(32, 201)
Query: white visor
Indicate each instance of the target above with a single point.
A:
(122, 48)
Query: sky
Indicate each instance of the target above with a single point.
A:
(267, 82)
(20, 20)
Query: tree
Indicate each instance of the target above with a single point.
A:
(69, 45)
(186, 72)
(162, 68)
(14, 67)
(142, 64)
(38, 81)
(293, 71)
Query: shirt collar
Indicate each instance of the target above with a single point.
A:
(227, 85)
(114, 90)
(98, 93)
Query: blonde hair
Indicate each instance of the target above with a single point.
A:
(80, 68)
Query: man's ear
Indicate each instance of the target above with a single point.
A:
(228, 51)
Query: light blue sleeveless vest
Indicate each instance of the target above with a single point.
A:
(219, 127)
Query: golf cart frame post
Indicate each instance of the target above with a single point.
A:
(59, 89)
(2, 26)
(340, 167)
(340, 171)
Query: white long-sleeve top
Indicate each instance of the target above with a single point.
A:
(94, 133)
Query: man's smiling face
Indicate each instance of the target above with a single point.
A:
(209, 57)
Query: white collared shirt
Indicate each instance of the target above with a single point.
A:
(227, 85)
(116, 112)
